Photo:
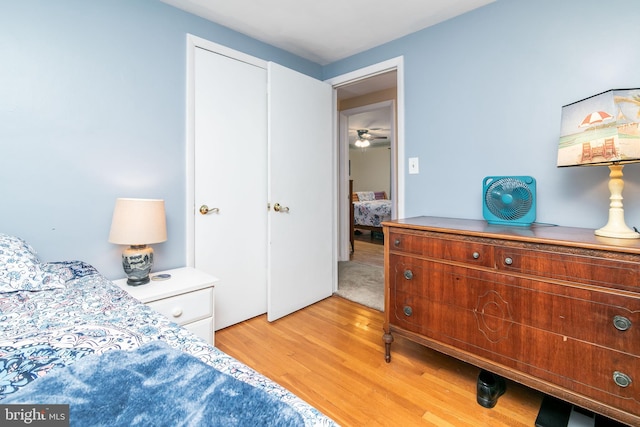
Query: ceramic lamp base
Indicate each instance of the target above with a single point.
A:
(137, 261)
(616, 227)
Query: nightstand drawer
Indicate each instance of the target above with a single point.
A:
(203, 328)
(187, 307)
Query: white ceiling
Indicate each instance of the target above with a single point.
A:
(325, 31)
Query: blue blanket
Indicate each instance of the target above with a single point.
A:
(154, 385)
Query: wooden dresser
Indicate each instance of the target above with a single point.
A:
(554, 308)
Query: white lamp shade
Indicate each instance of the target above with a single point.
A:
(138, 222)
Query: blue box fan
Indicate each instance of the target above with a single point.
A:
(509, 200)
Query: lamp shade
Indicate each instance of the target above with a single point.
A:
(138, 222)
(601, 129)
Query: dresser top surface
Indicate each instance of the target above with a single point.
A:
(536, 233)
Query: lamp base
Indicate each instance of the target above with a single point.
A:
(137, 261)
(135, 282)
(616, 227)
(617, 232)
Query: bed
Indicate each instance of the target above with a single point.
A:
(69, 336)
(368, 210)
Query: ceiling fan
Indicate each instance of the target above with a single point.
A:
(365, 137)
(366, 134)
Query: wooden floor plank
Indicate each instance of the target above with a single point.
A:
(331, 354)
(368, 252)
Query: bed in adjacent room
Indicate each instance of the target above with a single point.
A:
(70, 336)
(368, 210)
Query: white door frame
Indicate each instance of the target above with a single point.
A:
(397, 156)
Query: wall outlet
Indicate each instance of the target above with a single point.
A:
(414, 166)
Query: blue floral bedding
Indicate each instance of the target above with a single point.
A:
(46, 330)
(371, 212)
(156, 385)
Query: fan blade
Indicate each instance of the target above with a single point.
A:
(508, 200)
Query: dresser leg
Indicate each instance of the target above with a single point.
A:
(388, 339)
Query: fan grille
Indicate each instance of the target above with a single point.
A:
(508, 198)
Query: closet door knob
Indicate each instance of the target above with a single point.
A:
(278, 208)
(204, 209)
(408, 274)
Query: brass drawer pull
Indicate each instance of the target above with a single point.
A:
(621, 323)
(408, 311)
(621, 379)
(408, 274)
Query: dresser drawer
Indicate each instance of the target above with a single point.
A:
(587, 268)
(470, 252)
(573, 364)
(186, 308)
(475, 314)
(599, 317)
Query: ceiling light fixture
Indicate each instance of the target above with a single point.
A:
(363, 139)
(362, 143)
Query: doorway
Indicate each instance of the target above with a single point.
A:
(371, 136)
(364, 82)
(361, 98)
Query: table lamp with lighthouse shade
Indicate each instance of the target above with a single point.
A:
(604, 130)
(138, 223)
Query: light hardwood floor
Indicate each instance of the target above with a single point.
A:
(331, 355)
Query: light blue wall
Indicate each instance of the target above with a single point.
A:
(92, 107)
(483, 96)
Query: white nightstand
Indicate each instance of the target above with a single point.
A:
(187, 298)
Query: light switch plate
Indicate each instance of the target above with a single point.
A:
(414, 166)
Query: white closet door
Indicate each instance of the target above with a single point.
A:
(231, 176)
(301, 180)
